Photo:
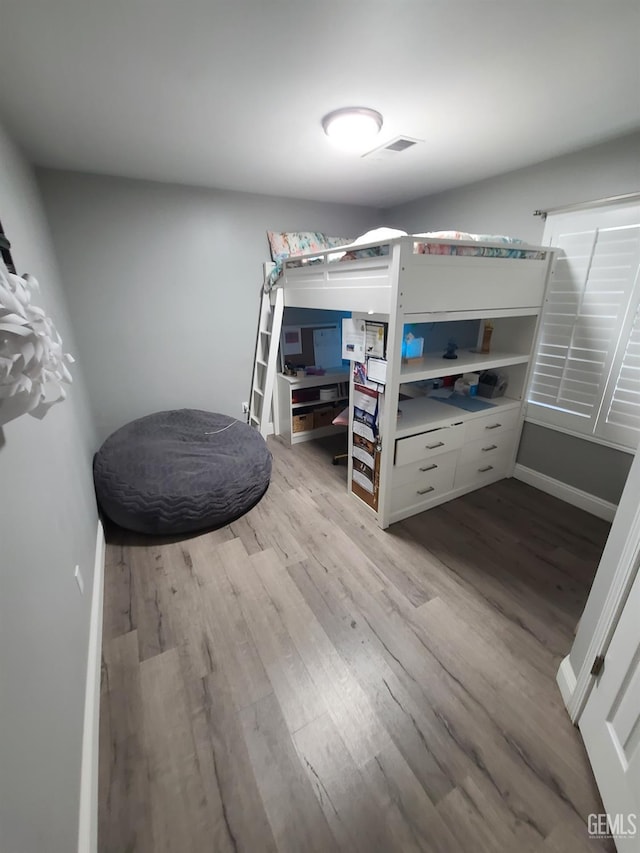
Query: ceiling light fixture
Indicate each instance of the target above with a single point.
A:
(352, 127)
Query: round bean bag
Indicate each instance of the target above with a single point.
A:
(181, 471)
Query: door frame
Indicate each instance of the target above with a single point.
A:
(621, 559)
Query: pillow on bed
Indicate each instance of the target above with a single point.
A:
(284, 244)
(378, 234)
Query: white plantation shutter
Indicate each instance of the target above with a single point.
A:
(621, 414)
(589, 316)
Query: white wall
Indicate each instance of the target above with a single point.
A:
(163, 284)
(505, 205)
(47, 526)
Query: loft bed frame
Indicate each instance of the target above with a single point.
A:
(403, 286)
(415, 283)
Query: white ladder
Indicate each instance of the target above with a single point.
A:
(266, 360)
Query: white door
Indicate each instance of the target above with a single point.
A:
(610, 726)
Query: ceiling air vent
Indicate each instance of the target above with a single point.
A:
(399, 145)
(391, 149)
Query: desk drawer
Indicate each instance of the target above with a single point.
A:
(413, 494)
(428, 444)
(486, 450)
(477, 474)
(492, 424)
(424, 471)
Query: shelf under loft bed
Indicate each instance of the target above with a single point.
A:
(313, 380)
(433, 365)
(291, 413)
(318, 402)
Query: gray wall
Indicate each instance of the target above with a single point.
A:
(594, 468)
(504, 205)
(163, 284)
(47, 526)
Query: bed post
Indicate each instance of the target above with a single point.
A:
(390, 406)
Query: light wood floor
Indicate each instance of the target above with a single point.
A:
(303, 681)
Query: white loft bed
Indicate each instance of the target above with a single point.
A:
(405, 286)
(429, 282)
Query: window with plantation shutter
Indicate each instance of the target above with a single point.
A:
(586, 375)
(621, 412)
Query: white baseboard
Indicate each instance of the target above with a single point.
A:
(88, 819)
(566, 680)
(569, 494)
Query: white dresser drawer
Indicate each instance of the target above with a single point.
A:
(486, 450)
(424, 470)
(428, 444)
(413, 494)
(492, 424)
(476, 473)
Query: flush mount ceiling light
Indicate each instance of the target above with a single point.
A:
(352, 127)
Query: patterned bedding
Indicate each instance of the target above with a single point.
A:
(285, 246)
(510, 250)
(288, 244)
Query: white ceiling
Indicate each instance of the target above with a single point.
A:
(230, 94)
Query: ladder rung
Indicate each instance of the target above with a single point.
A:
(259, 391)
(265, 332)
(260, 361)
(254, 418)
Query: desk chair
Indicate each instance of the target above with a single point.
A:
(341, 420)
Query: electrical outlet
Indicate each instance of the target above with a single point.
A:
(245, 408)
(79, 579)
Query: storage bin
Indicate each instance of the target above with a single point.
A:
(303, 395)
(492, 384)
(323, 417)
(327, 394)
(490, 391)
(302, 423)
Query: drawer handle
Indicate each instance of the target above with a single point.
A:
(433, 446)
(491, 447)
(425, 491)
(428, 468)
(494, 426)
(485, 469)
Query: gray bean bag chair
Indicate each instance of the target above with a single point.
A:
(181, 471)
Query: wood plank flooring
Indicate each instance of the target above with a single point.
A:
(303, 681)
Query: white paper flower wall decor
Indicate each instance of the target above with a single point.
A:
(32, 363)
